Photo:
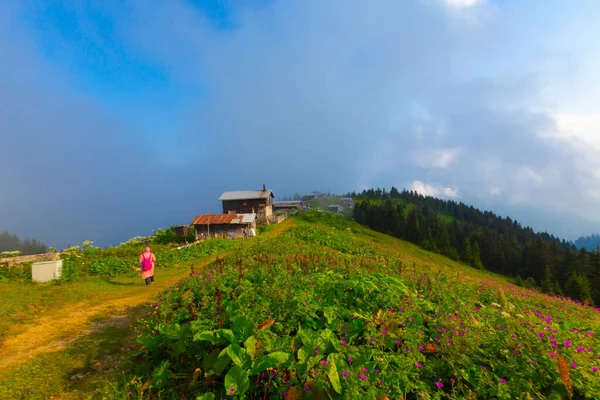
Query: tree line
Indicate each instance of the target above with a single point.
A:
(11, 242)
(483, 240)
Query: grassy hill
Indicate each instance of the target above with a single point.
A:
(330, 309)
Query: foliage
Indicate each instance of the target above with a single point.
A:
(11, 242)
(480, 239)
(321, 313)
(78, 262)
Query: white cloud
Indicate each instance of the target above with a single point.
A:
(435, 158)
(427, 189)
(462, 3)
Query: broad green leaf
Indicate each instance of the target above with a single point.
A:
(206, 396)
(333, 374)
(272, 360)
(237, 379)
(221, 363)
(236, 353)
(161, 374)
(250, 345)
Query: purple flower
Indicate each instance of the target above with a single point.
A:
(231, 390)
(285, 394)
(343, 343)
(365, 370)
(419, 365)
(364, 378)
(376, 371)
(372, 340)
(439, 384)
(384, 331)
(306, 388)
(323, 362)
(502, 380)
(316, 351)
(573, 364)
(350, 360)
(397, 341)
(567, 343)
(421, 348)
(345, 373)
(594, 369)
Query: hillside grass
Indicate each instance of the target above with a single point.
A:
(333, 310)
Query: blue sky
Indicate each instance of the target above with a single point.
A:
(120, 117)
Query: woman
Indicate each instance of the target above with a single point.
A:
(147, 261)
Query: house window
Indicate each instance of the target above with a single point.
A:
(244, 203)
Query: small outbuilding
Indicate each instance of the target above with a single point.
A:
(223, 225)
(336, 208)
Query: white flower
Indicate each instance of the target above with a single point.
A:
(505, 314)
(520, 316)
(495, 305)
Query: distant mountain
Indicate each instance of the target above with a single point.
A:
(589, 243)
(558, 222)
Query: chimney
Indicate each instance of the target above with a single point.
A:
(264, 187)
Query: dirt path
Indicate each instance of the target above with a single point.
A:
(60, 328)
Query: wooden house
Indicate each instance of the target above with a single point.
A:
(223, 225)
(259, 202)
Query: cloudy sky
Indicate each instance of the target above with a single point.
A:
(120, 117)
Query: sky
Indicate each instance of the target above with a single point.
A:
(118, 118)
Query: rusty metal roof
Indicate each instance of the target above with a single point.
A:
(214, 219)
(247, 195)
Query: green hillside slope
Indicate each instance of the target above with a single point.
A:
(330, 309)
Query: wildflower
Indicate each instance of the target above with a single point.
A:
(323, 362)
(408, 350)
(567, 343)
(449, 341)
(594, 369)
(421, 348)
(365, 370)
(345, 373)
(573, 364)
(397, 341)
(343, 342)
(317, 351)
(306, 388)
(376, 371)
(590, 334)
(439, 384)
(540, 335)
(364, 378)
(502, 380)
(384, 331)
(231, 390)
(285, 394)
(350, 360)
(371, 340)
(580, 349)
(419, 365)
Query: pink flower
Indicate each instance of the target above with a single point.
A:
(364, 378)
(573, 364)
(439, 384)
(567, 343)
(323, 362)
(418, 365)
(552, 354)
(343, 343)
(345, 373)
(502, 380)
(594, 369)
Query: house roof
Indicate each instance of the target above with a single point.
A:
(247, 195)
(218, 219)
(290, 202)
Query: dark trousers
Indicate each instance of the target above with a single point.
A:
(149, 280)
